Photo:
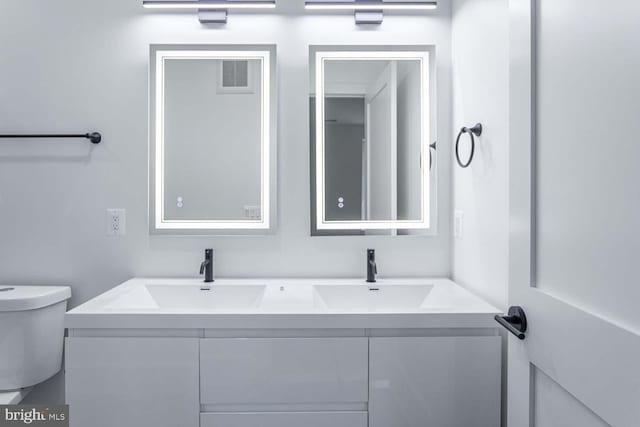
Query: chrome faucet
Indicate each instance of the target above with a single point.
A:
(372, 268)
(206, 267)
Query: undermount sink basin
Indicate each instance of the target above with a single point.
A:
(372, 297)
(173, 297)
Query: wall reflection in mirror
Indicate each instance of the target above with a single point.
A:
(370, 133)
(212, 144)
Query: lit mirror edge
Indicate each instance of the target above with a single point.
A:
(432, 230)
(215, 227)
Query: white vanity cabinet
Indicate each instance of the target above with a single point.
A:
(365, 380)
(434, 381)
(283, 371)
(313, 353)
(285, 419)
(280, 382)
(132, 382)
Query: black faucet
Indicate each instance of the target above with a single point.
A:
(372, 269)
(206, 267)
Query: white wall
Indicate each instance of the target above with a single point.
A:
(212, 142)
(480, 38)
(480, 62)
(77, 65)
(380, 103)
(409, 161)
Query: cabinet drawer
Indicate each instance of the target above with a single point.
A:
(284, 419)
(283, 370)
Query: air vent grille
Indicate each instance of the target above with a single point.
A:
(235, 74)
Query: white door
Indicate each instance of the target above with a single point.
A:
(381, 145)
(575, 212)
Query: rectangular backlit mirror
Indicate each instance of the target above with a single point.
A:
(212, 145)
(371, 140)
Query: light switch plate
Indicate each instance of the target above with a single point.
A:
(458, 224)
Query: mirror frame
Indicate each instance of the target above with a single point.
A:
(362, 53)
(158, 224)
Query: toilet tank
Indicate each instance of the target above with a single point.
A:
(31, 333)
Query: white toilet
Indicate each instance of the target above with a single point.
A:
(31, 337)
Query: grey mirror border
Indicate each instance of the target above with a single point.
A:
(273, 152)
(432, 231)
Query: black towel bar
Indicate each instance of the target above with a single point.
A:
(94, 137)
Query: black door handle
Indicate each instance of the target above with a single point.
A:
(515, 321)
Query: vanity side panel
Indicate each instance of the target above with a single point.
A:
(435, 381)
(283, 370)
(132, 382)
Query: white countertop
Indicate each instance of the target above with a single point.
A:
(283, 304)
(14, 397)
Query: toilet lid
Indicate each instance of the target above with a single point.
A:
(18, 298)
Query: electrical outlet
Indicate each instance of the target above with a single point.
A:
(458, 224)
(116, 222)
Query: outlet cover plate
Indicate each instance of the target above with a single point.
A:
(116, 222)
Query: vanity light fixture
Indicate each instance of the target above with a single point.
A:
(208, 5)
(209, 11)
(371, 5)
(370, 12)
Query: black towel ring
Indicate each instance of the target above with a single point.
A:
(432, 146)
(477, 131)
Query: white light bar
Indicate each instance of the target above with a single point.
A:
(327, 5)
(208, 5)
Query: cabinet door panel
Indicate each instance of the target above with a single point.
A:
(132, 382)
(285, 419)
(283, 370)
(435, 382)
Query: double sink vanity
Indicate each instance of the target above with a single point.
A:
(288, 352)
(284, 352)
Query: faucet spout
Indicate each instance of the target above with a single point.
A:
(206, 267)
(372, 268)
